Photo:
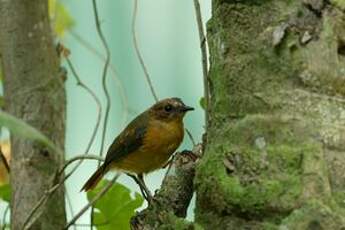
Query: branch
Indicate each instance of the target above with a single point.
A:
(30, 220)
(203, 55)
(175, 193)
(104, 83)
(92, 202)
(79, 158)
(137, 51)
(99, 109)
(104, 74)
(113, 71)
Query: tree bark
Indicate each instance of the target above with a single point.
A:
(34, 91)
(275, 153)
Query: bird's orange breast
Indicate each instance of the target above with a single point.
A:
(160, 142)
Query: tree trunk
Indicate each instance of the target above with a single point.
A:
(34, 91)
(275, 153)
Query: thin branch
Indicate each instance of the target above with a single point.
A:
(92, 202)
(95, 98)
(169, 164)
(104, 82)
(203, 55)
(51, 190)
(28, 221)
(136, 46)
(104, 74)
(79, 158)
(191, 137)
(114, 73)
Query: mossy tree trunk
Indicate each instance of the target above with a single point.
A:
(34, 91)
(275, 152)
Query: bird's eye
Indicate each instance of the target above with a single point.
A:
(168, 108)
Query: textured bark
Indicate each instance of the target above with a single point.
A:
(34, 92)
(171, 202)
(275, 154)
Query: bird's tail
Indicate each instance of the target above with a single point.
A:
(94, 179)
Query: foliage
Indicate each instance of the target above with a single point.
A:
(202, 103)
(22, 129)
(115, 208)
(60, 17)
(5, 192)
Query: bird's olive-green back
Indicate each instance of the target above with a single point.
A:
(129, 140)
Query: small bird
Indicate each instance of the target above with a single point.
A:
(146, 144)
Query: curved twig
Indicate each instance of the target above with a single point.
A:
(114, 73)
(104, 82)
(137, 51)
(52, 189)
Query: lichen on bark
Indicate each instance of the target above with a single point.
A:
(275, 144)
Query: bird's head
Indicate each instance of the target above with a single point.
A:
(170, 109)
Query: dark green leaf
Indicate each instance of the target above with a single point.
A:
(203, 103)
(115, 208)
(5, 192)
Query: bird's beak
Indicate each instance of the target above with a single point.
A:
(186, 108)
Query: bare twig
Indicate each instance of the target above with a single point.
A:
(136, 46)
(113, 72)
(79, 158)
(104, 73)
(104, 82)
(169, 164)
(99, 109)
(190, 137)
(92, 202)
(54, 187)
(203, 55)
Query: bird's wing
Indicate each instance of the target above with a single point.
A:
(130, 140)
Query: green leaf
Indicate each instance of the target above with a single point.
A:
(60, 17)
(5, 192)
(22, 129)
(115, 208)
(203, 103)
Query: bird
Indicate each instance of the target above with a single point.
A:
(145, 144)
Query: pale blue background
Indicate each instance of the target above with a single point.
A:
(168, 39)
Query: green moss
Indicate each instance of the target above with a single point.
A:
(339, 198)
(267, 160)
(171, 222)
(314, 215)
(339, 3)
(268, 180)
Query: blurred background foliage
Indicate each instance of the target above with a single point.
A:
(168, 40)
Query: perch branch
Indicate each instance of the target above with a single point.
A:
(174, 195)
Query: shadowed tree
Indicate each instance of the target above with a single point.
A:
(34, 92)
